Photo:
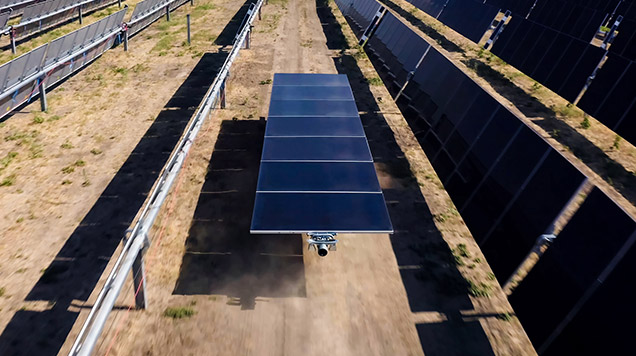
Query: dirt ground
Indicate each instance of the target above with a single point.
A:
(424, 290)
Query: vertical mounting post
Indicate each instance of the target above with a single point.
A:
(79, 10)
(188, 21)
(43, 104)
(223, 103)
(168, 12)
(248, 38)
(126, 39)
(139, 278)
(119, 3)
(12, 35)
(259, 13)
(191, 2)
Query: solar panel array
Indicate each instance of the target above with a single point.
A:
(59, 58)
(467, 17)
(552, 46)
(611, 97)
(317, 172)
(574, 269)
(509, 185)
(361, 12)
(400, 48)
(554, 59)
(15, 6)
(568, 18)
(4, 18)
(46, 14)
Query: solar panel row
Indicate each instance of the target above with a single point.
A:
(625, 42)
(467, 17)
(570, 267)
(509, 184)
(46, 14)
(317, 172)
(16, 7)
(398, 47)
(556, 60)
(360, 11)
(102, 33)
(475, 145)
(569, 18)
(611, 97)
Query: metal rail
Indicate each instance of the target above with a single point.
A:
(138, 239)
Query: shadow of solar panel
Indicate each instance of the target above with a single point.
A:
(594, 330)
(539, 203)
(468, 17)
(303, 212)
(316, 149)
(318, 176)
(314, 126)
(571, 265)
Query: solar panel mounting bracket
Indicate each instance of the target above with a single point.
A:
(322, 242)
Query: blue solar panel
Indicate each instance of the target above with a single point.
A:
(312, 108)
(317, 172)
(304, 92)
(314, 126)
(318, 177)
(316, 149)
(310, 79)
(310, 212)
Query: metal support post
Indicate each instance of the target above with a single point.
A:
(12, 35)
(119, 3)
(139, 278)
(222, 95)
(126, 39)
(188, 21)
(168, 12)
(191, 2)
(79, 10)
(43, 104)
(259, 13)
(248, 38)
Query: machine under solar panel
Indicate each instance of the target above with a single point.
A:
(317, 172)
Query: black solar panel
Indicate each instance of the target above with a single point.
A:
(317, 173)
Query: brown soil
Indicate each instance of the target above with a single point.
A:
(404, 294)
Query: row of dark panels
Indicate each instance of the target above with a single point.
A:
(509, 185)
